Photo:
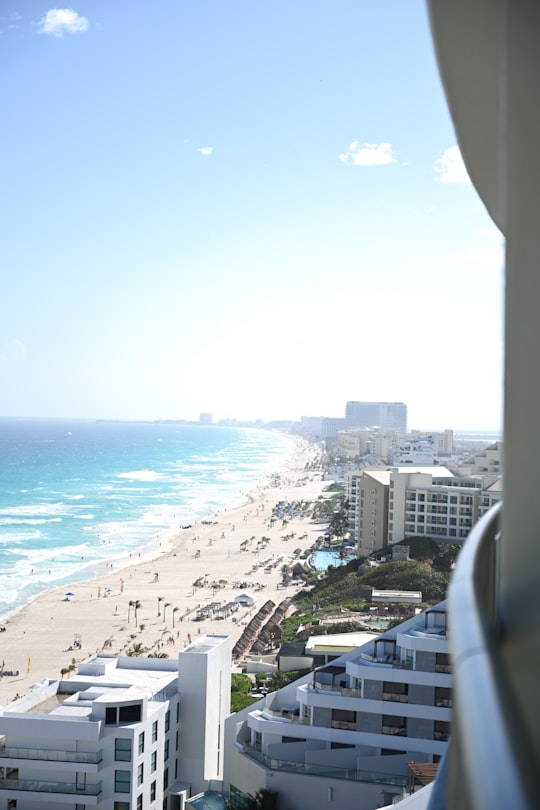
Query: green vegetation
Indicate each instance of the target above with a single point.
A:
(280, 679)
(241, 686)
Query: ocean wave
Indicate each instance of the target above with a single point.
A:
(141, 475)
(28, 521)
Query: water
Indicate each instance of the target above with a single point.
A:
(321, 560)
(74, 494)
(208, 801)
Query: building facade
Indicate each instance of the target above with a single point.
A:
(385, 415)
(118, 734)
(387, 506)
(343, 736)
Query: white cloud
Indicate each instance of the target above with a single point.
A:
(368, 154)
(60, 21)
(432, 210)
(206, 151)
(450, 168)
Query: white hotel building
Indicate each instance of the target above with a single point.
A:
(388, 505)
(343, 735)
(122, 733)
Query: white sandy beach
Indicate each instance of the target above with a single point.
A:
(40, 639)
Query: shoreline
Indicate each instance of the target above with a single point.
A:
(150, 547)
(170, 581)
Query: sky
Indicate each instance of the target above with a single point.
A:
(254, 209)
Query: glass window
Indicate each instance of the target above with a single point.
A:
(121, 806)
(140, 774)
(110, 715)
(122, 749)
(166, 750)
(122, 781)
(141, 743)
(130, 714)
(153, 765)
(154, 731)
(165, 779)
(153, 791)
(167, 721)
(139, 801)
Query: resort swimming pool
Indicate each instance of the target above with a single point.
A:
(208, 801)
(321, 560)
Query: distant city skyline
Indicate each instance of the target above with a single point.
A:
(256, 209)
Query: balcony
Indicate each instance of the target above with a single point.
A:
(395, 697)
(328, 771)
(40, 786)
(386, 660)
(346, 724)
(345, 691)
(46, 755)
(396, 731)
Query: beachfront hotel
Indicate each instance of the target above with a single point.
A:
(344, 735)
(388, 505)
(122, 733)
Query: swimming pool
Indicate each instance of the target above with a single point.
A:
(208, 801)
(321, 560)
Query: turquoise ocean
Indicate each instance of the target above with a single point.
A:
(76, 494)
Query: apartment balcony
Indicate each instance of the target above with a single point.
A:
(344, 691)
(326, 771)
(345, 724)
(395, 697)
(47, 755)
(395, 731)
(385, 660)
(489, 763)
(41, 786)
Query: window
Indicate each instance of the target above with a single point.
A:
(153, 791)
(122, 781)
(121, 806)
(141, 743)
(176, 741)
(306, 711)
(130, 714)
(154, 731)
(165, 779)
(140, 774)
(166, 751)
(122, 714)
(122, 750)
(139, 801)
(177, 712)
(153, 764)
(167, 721)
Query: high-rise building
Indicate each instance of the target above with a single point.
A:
(386, 415)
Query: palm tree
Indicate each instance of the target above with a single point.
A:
(136, 606)
(174, 610)
(159, 600)
(165, 606)
(158, 655)
(136, 650)
(130, 605)
(64, 671)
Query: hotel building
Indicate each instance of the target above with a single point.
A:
(123, 733)
(343, 735)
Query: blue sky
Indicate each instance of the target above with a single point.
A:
(256, 209)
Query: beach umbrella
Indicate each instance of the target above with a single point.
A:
(70, 593)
